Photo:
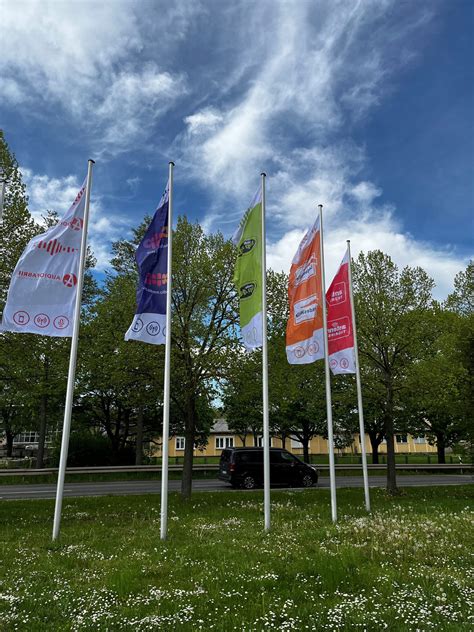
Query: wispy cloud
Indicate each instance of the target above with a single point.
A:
(83, 59)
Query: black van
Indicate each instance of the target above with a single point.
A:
(243, 467)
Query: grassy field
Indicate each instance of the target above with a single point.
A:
(408, 566)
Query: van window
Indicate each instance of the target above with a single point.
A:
(225, 456)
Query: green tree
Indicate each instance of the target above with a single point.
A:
(16, 229)
(204, 325)
(438, 388)
(393, 312)
(120, 383)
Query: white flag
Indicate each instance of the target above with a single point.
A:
(42, 290)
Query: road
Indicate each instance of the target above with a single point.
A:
(126, 488)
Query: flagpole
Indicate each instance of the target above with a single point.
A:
(332, 469)
(266, 424)
(166, 390)
(359, 388)
(72, 361)
(2, 191)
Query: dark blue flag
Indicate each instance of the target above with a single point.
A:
(149, 322)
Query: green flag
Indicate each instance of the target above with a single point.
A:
(248, 273)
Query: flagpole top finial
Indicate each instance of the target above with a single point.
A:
(320, 206)
(348, 241)
(263, 174)
(171, 163)
(92, 161)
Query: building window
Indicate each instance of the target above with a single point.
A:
(180, 443)
(224, 442)
(296, 444)
(402, 438)
(259, 442)
(27, 437)
(419, 440)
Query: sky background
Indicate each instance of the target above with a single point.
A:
(364, 106)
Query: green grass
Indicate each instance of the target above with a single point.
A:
(407, 566)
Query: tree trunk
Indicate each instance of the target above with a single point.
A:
(375, 446)
(390, 437)
(43, 418)
(441, 448)
(305, 449)
(9, 436)
(139, 441)
(283, 441)
(189, 434)
(42, 431)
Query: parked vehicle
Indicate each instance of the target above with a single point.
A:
(243, 467)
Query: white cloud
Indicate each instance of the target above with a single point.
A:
(82, 58)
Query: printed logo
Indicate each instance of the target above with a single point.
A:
(333, 363)
(153, 328)
(299, 352)
(158, 278)
(61, 322)
(306, 271)
(313, 348)
(247, 245)
(344, 363)
(41, 320)
(39, 275)
(154, 241)
(247, 290)
(21, 318)
(305, 309)
(78, 196)
(338, 294)
(54, 247)
(137, 325)
(339, 328)
(76, 223)
(70, 280)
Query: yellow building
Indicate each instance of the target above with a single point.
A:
(221, 437)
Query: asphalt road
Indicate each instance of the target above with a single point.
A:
(126, 488)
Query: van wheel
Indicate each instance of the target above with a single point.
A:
(249, 482)
(307, 480)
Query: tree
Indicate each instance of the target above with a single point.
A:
(204, 333)
(393, 312)
(242, 395)
(204, 319)
(438, 388)
(121, 383)
(16, 229)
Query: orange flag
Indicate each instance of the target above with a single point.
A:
(304, 329)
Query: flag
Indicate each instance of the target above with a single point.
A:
(149, 322)
(248, 273)
(42, 292)
(304, 329)
(340, 327)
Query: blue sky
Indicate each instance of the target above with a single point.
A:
(365, 106)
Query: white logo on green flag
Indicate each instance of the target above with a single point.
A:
(248, 273)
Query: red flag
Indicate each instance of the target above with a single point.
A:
(340, 328)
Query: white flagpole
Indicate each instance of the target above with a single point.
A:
(166, 390)
(332, 469)
(359, 388)
(266, 424)
(2, 191)
(72, 362)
